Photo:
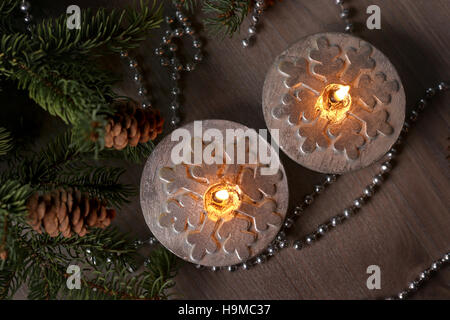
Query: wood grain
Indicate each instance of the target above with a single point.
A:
(407, 223)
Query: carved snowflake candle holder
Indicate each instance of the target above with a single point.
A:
(338, 102)
(213, 214)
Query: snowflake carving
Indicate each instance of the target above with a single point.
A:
(308, 77)
(185, 186)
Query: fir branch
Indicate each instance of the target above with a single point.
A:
(5, 142)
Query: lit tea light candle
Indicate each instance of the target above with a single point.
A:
(334, 102)
(221, 200)
(213, 214)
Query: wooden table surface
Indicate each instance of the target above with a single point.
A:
(402, 229)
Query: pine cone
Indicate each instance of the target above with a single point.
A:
(3, 254)
(132, 124)
(67, 212)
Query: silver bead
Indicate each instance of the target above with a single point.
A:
(330, 178)
(170, 20)
(348, 212)
(297, 245)
(386, 167)
(430, 92)
(245, 266)
(146, 104)
(377, 180)
(288, 223)
(94, 289)
(190, 67)
(198, 266)
(88, 251)
(390, 155)
(152, 240)
(231, 268)
(358, 203)
(424, 275)
(283, 244)
(318, 188)
(142, 91)
(349, 27)
(310, 239)
(261, 259)
(198, 57)
(422, 104)
(402, 295)
(412, 286)
(166, 40)
(245, 43)
(28, 18)
(137, 77)
(132, 64)
(414, 115)
(175, 121)
(255, 19)
(137, 243)
(339, 2)
(260, 4)
(252, 30)
(174, 105)
(24, 6)
(322, 229)
(443, 86)
(368, 191)
(281, 236)
(159, 51)
(197, 43)
(108, 260)
(434, 266)
(447, 257)
(123, 54)
(298, 210)
(178, 32)
(189, 30)
(176, 91)
(173, 47)
(175, 76)
(214, 269)
(147, 262)
(271, 251)
(335, 221)
(309, 199)
(345, 14)
(405, 127)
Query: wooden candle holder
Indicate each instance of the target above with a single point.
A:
(239, 225)
(316, 129)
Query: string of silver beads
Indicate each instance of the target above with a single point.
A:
(281, 242)
(179, 26)
(25, 8)
(345, 14)
(422, 278)
(258, 10)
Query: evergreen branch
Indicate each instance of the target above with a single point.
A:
(114, 31)
(5, 142)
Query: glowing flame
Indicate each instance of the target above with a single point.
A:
(222, 195)
(341, 93)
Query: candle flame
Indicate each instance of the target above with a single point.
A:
(222, 195)
(341, 93)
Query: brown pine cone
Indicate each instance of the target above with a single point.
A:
(132, 124)
(67, 212)
(3, 254)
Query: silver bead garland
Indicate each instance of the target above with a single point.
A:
(258, 10)
(179, 27)
(280, 241)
